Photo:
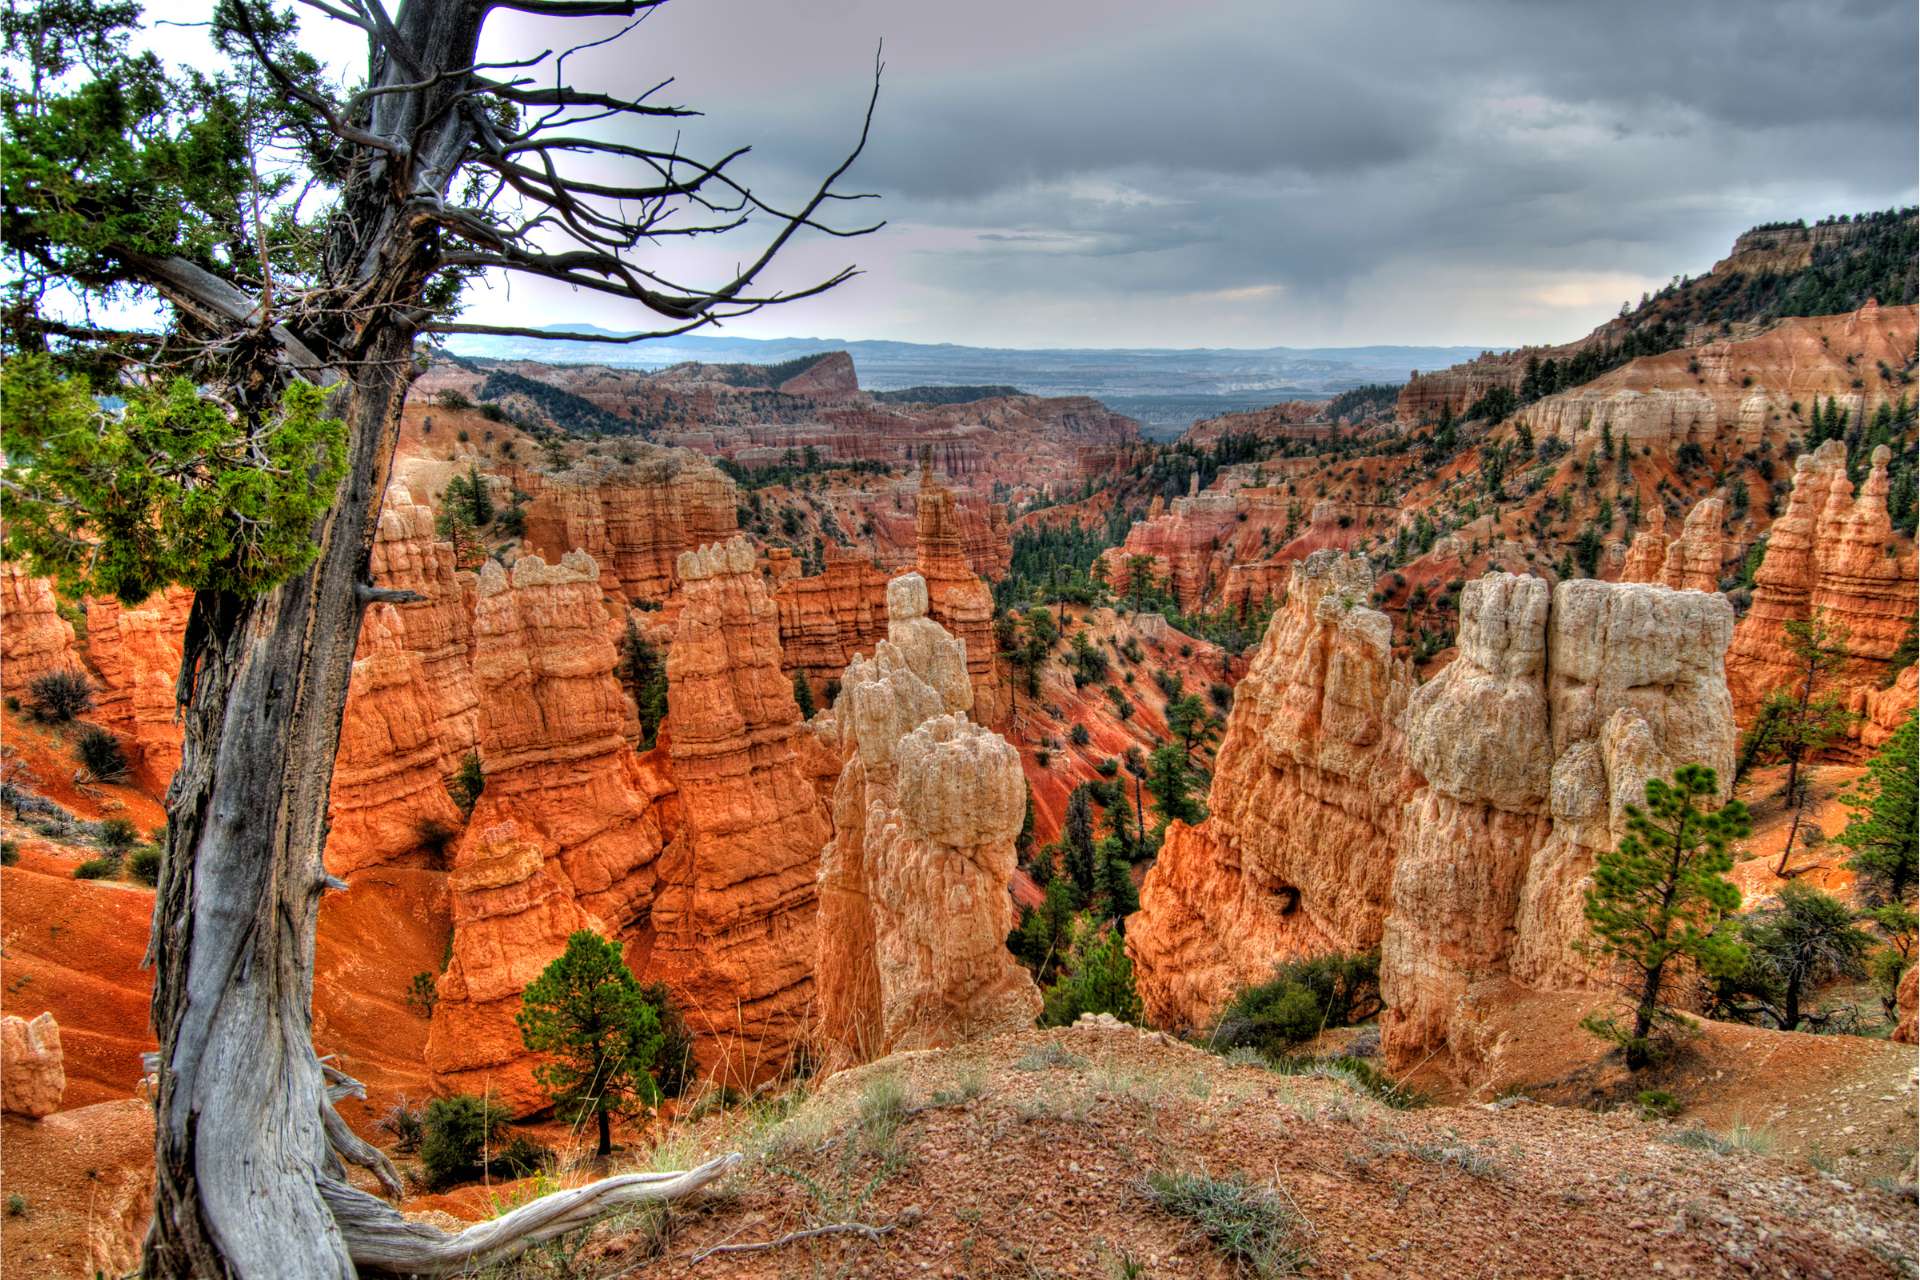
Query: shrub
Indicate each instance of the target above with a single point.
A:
(521, 1157)
(105, 868)
(1247, 1224)
(404, 1123)
(144, 865)
(99, 752)
(422, 994)
(9, 852)
(468, 781)
(16, 1205)
(1099, 980)
(58, 696)
(457, 1133)
(118, 835)
(1079, 736)
(1657, 1104)
(1304, 998)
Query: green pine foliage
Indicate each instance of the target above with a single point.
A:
(1171, 782)
(1808, 937)
(644, 674)
(1659, 896)
(1883, 834)
(467, 783)
(803, 695)
(459, 1136)
(170, 487)
(1098, 979)
(599, 1031)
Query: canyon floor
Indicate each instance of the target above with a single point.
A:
(1029, 1155)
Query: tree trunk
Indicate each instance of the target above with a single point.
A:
(1793, 803)
(241, 1143)
(1790, 1018)
(606, 1134)
(1637, 1056)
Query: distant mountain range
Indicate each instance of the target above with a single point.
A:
(1167, 389)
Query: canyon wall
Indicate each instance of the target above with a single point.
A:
(957, 599)
(635, 518)
(914, 908)
(733, 921)
(1453, 825)
(1296, 855)
(1689, 562)
(34, 639)
(566, 832)
(1832, 554)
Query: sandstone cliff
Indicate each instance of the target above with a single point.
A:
(34, 638)
(1296, 856)
(957, 599)
(1689, 562)
(635, 518)
(33, 1077)
(1831, 553)
(914, 909)
(733, 919)
(566, 832)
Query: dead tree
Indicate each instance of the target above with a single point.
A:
(437, 169)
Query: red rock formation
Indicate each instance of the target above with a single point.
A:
(411, 711)
(960, 601)
(566, 832)
(136, 651)
(34, 638)
(732, 923)
(33, 1077)
(1182, 542)
(633, 518)
(1883, 711)
(826, 619)
(1295, 858)
(914, 910)
(1831, 553)
(1908, 1030)
(1690, 562)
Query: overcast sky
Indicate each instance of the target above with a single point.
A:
(1127, 172)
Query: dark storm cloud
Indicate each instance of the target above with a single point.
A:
(1132, 155)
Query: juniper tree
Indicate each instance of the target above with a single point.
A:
(1659, 894)
(298, 239)
(1808, 937)
(600, 1032)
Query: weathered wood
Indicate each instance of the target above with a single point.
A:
(382, 1241)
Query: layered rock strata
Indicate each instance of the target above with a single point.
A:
(732, 923)
(135, 650)
(634, 518)
(34, 638)
(914, 908)
(1689, 562)
(1831, 554)
(957, 598)
(1295, 858)
(565, 834)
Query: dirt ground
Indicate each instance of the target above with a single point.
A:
(1028, 1156)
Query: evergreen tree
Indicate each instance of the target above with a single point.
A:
(1077, 841)
(1662, 891)
(1099, 980)
(803, 695)
(1171, 782)
(1189, 720)
(1808, 937)
(1884, 831)
(1798, 721)
(1114, 889)
(1043, 938)
(600, 1031)
(645, 676)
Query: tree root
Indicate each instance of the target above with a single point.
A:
(380, 1240)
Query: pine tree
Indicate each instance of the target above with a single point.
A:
(1099, 980)
(1808, 937)
(1798, 721)
(1661, 892)
(1171, 783)
(1077, 840)
(1884, 832)
(645, 677)
(602, 1034)
(803, 695)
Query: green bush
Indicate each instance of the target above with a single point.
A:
(457, 1133)
(9, 852)
(58, 696)
(1304, 998)
(144, 865)
(118, 835)
(99, 752)
(105, 868)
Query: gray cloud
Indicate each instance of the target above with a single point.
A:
(1087, 172)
